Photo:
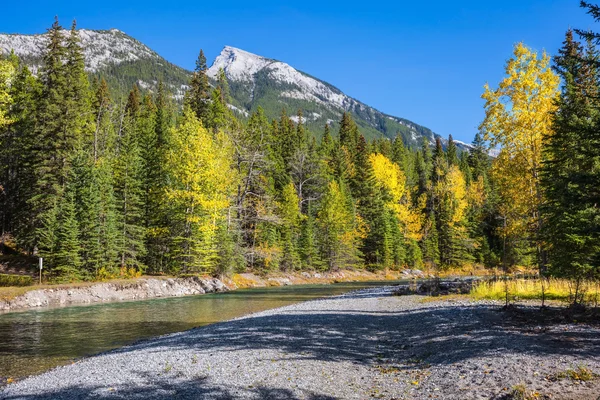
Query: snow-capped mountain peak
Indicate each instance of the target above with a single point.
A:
(238, 64)
(101, 48)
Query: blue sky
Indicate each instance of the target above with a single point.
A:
(425, 61)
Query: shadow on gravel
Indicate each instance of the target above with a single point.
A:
(435, 335)
(170, 388)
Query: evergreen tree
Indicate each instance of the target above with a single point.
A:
(129, 193)
(309, 251)
(198, 96)
(452, 152)
(479, 161)
(18, 143)
(569, 176)
(51, 161)
(348, 134)
(87, 200)
(65, 253)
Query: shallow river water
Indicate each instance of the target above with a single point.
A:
(35, 341)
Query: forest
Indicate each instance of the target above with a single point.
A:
(104, 186)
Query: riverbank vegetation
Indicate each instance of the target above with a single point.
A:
(97, 184)
(564, 290)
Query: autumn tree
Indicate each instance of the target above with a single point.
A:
(202, 181)
(518, 118)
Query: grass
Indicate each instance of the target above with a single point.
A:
(531, 289)
(520, 392)
(581, 373)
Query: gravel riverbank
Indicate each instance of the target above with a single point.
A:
(365, 344)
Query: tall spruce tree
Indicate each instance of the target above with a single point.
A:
(570, 171)
(198, 96)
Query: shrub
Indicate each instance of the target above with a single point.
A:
(15, 280)
(581, 373)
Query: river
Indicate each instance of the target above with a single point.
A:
(34, 341)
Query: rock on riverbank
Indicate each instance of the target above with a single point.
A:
(145, 288)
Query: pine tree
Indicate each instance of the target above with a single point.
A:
(479, 161)
(104, 138)
(452, 151)
(569, 177)
(108, 217)
(78, 114)
(87, 200)
(430, 242)
(370, 206)
(223, 86)
(348, 134)
(17, 144)
(65, 255)
(155, 131)
(198, 96)
(54, 143)
(128, 169)
(309, 251)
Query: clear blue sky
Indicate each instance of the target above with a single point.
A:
(425, 61)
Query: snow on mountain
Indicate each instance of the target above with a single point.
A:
(492, 152)
(254, 75)
(240, 65)
(101, 48)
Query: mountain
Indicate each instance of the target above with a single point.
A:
(254, 81)
(112, 54)
(273, 85)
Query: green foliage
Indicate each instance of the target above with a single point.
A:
(15, 280)
(571, 169)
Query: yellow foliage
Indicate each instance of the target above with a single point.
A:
(7, 71)
(476, 192)
(531, 289)
(390, 177)
(456, 188)
(518, 117)
(342, 228)
(203, 180)
(290, 205)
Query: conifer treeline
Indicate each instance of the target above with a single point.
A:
(96, 184)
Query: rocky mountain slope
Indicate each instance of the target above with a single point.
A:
(258, 81)
(254, 80)
(112, 54)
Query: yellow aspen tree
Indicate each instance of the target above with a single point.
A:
(341, 229)
(202, 182)
(390, 177)
(518, 116)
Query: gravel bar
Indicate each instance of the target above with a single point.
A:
(361, 345)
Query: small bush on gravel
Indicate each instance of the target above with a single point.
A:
(520, 392)
(581, 373)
